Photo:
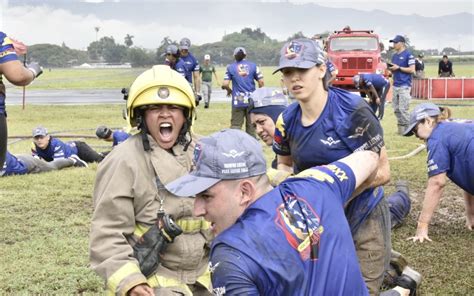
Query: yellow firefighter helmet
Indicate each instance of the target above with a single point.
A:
(160, 85)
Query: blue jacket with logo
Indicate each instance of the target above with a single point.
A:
(294, 240)
(243, 75)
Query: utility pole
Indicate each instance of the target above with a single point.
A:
(459, 52)
(96, 33)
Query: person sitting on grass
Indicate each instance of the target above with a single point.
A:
(26, 164)
(49, 148)
(450, 148)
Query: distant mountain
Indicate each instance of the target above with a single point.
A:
(280, 20)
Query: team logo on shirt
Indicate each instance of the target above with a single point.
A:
(219, 291)
(301, 226)
(243, 70)
(213, 267)
(359, 131)
(431, 164)
(279, 129)
(293, 50)
(330, 141)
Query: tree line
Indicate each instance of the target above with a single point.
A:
(260, 48)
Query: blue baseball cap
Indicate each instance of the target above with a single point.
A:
(398, 38)
(300, 53)
(240, 49)
(269, 101)
(229, 154)
(421, 112)
(39, 131)
(171, 49)
(185, 43)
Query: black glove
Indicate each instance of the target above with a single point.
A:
(198, 99)
(35, 68)
(153, 243)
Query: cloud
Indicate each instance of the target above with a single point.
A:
(36, 24)
(42, 24)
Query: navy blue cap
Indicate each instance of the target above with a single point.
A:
(398, 38)
(39, 131)
(229, 154)
(421, 112)
(269, 101)
(301, 53)
(185, 43)
(240, 49)
(171, 49)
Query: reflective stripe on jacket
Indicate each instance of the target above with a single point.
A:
(126, 201)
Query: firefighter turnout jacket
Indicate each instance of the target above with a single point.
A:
(126, 200)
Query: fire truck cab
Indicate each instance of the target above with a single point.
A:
(354, 52)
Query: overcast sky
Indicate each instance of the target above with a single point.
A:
(35, 21)
(405, 7)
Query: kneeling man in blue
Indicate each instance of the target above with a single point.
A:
(293, 239)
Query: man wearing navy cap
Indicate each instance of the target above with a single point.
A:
(116, 137)
(275, 241)
(402, 67)
(49, 148)
(242, 73)
(191, 65)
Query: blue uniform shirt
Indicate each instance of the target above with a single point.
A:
(377, 80)
(7, 53)
(346, 124)
(403, 59)
(294, 240)
(119, 137)
(55, 149)
(190, 65)
(242, 74)
(451, 151)
(178, 66)
(13, 166)
(330, 66)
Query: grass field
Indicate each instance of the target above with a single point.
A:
(118, 78)
(45, 218)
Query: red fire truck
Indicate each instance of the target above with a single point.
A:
(354, 52)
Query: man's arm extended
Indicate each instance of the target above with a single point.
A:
(382, 174)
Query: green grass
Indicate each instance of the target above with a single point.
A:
(460, 69)
(45, 218)
(118, 78)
